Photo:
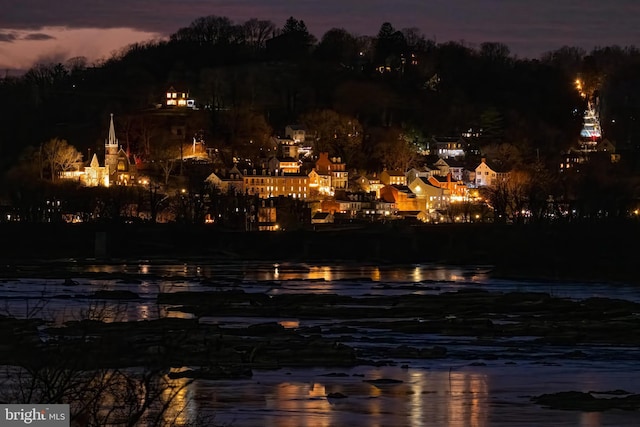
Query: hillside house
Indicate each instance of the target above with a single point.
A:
(448, 147)
(457, 189)
(266, 184)
(322, 218)
(226, 181)
(431, 198)
(296, 133)
(345, 207)
(369, 184)
(487, 175)
(284, 164)
(444, 167)
(335, 168)
(419, 172)
(178, 98)
(320, 184)
(286, 147)
(401, 196)
(393, 177)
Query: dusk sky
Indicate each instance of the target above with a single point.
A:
(44, 31)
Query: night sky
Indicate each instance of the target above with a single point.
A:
(46, 31)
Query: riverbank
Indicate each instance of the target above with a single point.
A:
(569, 251)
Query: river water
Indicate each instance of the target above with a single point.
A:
(458, 391)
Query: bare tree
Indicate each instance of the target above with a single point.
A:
(247, 131)
(509, 196)
(256, 32)
(206, 30)
(506, 155)
(518, 187)
(336, 133)
(146, 129)
(55, 370)
(394, 148)
(59, 156)
(166, 155)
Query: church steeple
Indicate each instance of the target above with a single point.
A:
(112, 140)
(111, 149)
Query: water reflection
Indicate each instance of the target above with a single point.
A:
(321, 273)
(456, 399)
(427, 396)
(374, 273)
(290, 324)
(590, 419)
(182, 407)
(462, 397)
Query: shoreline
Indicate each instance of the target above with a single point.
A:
(601, 252)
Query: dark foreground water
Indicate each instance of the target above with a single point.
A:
(460, 390)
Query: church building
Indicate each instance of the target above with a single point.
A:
(117, 169)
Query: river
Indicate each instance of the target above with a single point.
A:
(456, 391)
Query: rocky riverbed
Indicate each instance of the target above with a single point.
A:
(345, 332)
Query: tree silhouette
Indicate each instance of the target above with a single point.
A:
(338, 46)
(338, 134)
(257, 32)
(59, 156)
(293, 43)
(390, 47)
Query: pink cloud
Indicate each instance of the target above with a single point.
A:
(59, 44)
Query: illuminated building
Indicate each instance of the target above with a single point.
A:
(487, 175)
(117, 169)
(393, 177)
(176, 98)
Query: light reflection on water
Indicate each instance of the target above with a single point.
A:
(466, 397)
(430, 394)
(51, 298)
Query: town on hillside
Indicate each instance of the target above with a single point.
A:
(284, 131)
(450, 181)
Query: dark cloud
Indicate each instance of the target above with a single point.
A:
(7, 37)
(38, 36)
(529, 27)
